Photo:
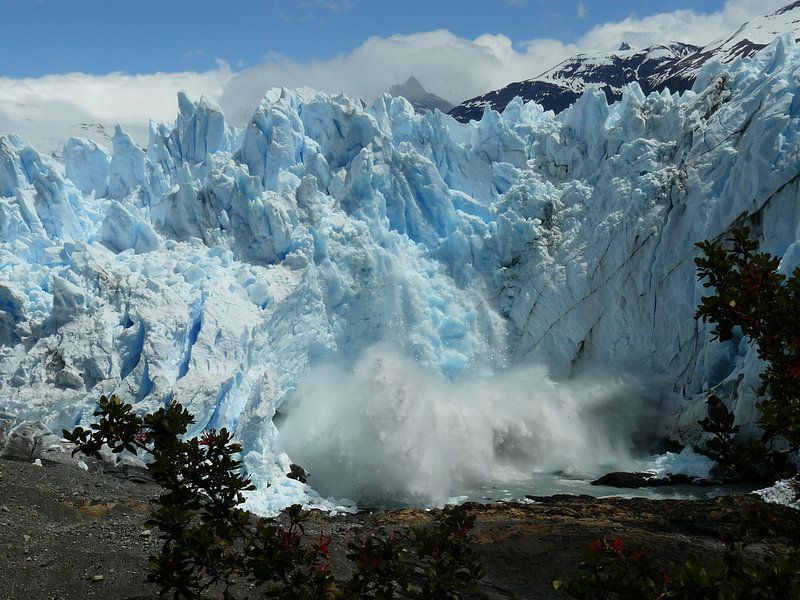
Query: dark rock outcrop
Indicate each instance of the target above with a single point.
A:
(621, 479)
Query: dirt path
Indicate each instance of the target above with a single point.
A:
(67, 534)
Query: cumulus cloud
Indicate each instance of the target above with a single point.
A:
(452, 67)
(683, 25)
(47, 110)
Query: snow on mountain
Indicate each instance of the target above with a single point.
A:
(562, 85)
(744, 42)
(674, 66)
(221, 267)
(420, 98)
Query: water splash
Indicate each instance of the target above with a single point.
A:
(386, 432)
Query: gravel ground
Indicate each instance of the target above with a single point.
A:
(68, 534)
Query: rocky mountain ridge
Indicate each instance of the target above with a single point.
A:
(673, 66)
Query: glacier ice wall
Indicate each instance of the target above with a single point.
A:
(218, 266)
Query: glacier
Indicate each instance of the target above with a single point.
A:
(226, 268)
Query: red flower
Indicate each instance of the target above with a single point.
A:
(617, 545)
(289, 538)
(142, 437)
(667, 579)
(322, 567)
(598, 546)
(209, 438)
(795, 371)
(637, 555)
(324, 542)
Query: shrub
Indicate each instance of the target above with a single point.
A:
(210, 543)
(614, 569)
(750, 294)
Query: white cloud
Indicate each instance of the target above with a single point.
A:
(47, 110)
(680, 25)
(581, 10)
(447, 65)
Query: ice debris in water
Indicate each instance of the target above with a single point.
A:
(786, 492)
(686, 462)
(218, 266)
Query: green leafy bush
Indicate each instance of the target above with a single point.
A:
(750, 294)
(210, 544)
(620, 571)
(614, 569)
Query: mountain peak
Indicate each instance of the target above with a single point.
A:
(671, 65)
(412, 85)
(419, 97)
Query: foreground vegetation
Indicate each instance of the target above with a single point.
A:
(210, 543)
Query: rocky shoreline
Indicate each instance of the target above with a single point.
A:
(66, 533)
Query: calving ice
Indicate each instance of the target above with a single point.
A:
(342, 283)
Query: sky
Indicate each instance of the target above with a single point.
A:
(103, 36)
(64, 62)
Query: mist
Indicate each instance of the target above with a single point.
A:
(385, 432)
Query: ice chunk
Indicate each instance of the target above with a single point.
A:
(87, 166)
(786, 492)
(127, 167)
(121, 230)
(68, 301)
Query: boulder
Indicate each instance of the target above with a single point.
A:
(51, 448)
(623, 479)
(299, 473)
(20, 444)
(6, 423)
(135, 469)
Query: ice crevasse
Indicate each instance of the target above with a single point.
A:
(218, 266)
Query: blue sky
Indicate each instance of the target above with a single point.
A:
(144, 36)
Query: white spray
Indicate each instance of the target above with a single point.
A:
(386, 431)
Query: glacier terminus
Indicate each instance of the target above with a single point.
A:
(346, 283)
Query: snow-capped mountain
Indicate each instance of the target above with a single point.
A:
(562, 85)
(397, 290)
(420, 98)
(744, 42)
(673, 66)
